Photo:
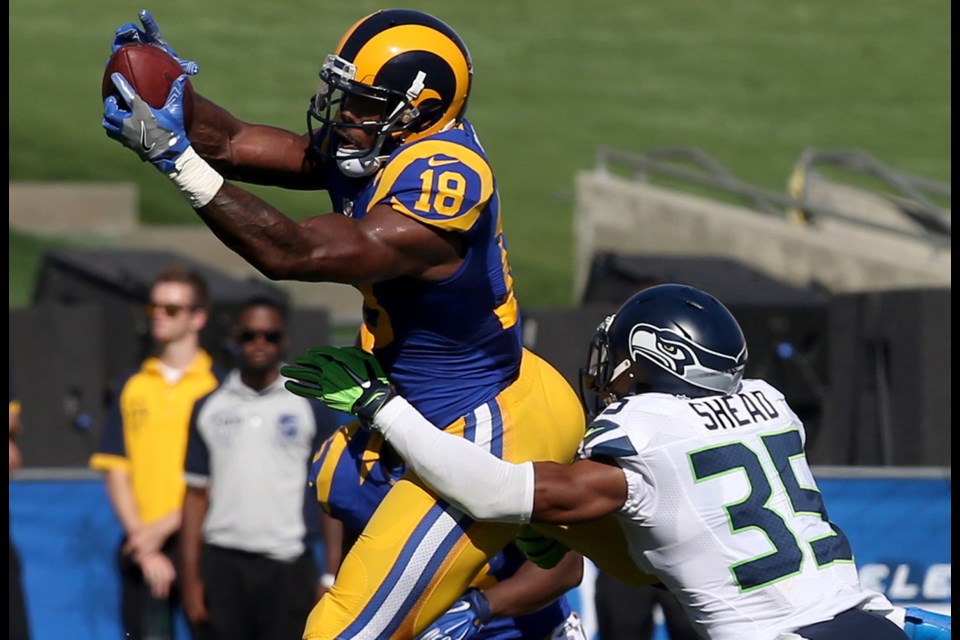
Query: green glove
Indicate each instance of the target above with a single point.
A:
(543, 552)
(344, 378)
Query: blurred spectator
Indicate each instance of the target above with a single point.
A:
(626, 612)
(247, 571)
(19, 629)
(143, 446)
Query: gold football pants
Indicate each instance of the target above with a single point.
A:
(418, 554)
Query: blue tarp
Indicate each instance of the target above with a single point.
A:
(67, 536)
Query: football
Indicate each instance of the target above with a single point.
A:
(151, 71)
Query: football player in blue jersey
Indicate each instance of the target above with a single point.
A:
(416, 226)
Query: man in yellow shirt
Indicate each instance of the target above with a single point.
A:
(143, 446)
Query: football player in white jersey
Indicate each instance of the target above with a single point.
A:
(704, 471)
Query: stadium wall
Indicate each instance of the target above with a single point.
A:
(626, 216)
(897, 520)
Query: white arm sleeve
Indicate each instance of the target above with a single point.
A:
(475, 481)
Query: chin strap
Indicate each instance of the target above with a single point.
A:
(369, 164)
(354, 167)
(361, 166)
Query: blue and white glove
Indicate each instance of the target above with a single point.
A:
(461, 621)
(921, 624)
(150, 34)
(156, 135)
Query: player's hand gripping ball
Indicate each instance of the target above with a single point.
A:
(150, 71)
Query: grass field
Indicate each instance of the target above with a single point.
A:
(752, 82)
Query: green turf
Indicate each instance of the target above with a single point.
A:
(752, 82)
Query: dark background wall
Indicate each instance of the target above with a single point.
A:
(87, 327)
(868, 373)
(890, 391)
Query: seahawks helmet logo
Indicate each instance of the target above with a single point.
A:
(685, 359)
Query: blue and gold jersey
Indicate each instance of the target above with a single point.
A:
(466, 327)
(453, 348)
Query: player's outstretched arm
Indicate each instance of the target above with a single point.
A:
(488, 488)
(328, 248)
(253, 153)
(351, 380)
(258, 154)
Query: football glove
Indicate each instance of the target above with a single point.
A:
(156, 135)
(463, 620)
(150, 34)
(346, 379)
(540, 550)
(921, 624)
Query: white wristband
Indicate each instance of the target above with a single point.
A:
(196, 179)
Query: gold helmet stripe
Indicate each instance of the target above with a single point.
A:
(392, 42)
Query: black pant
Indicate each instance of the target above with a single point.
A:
(19, 629)
(252, 597)
(853, 624)
(143, 616)
(625, 612)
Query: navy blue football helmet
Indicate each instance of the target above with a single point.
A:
(670, 338)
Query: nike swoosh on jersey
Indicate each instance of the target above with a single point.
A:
(598, 426)
(593, 430)
(437, 162)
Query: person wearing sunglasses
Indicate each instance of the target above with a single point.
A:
(247, 572)
(143, 443)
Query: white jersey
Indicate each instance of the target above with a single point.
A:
(252, 449)
(723, 508)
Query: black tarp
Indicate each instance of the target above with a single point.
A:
(86, 327)
(867, 372)
(118, 281)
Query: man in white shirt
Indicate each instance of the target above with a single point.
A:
(247, 570)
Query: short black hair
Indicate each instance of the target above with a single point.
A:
(264, 301)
